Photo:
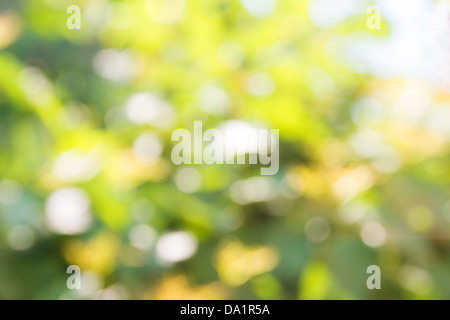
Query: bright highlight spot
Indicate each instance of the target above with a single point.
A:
(260, 8)
(175, 246)
(114, 65)
(68, 211)
(148, 108)
(73, 166)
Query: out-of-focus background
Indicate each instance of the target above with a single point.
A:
(86, 177)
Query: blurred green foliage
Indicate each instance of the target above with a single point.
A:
(82, 179)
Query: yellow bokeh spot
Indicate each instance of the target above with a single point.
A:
(420, 219)
(178, 288)
(237, 263)
(98, 254)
